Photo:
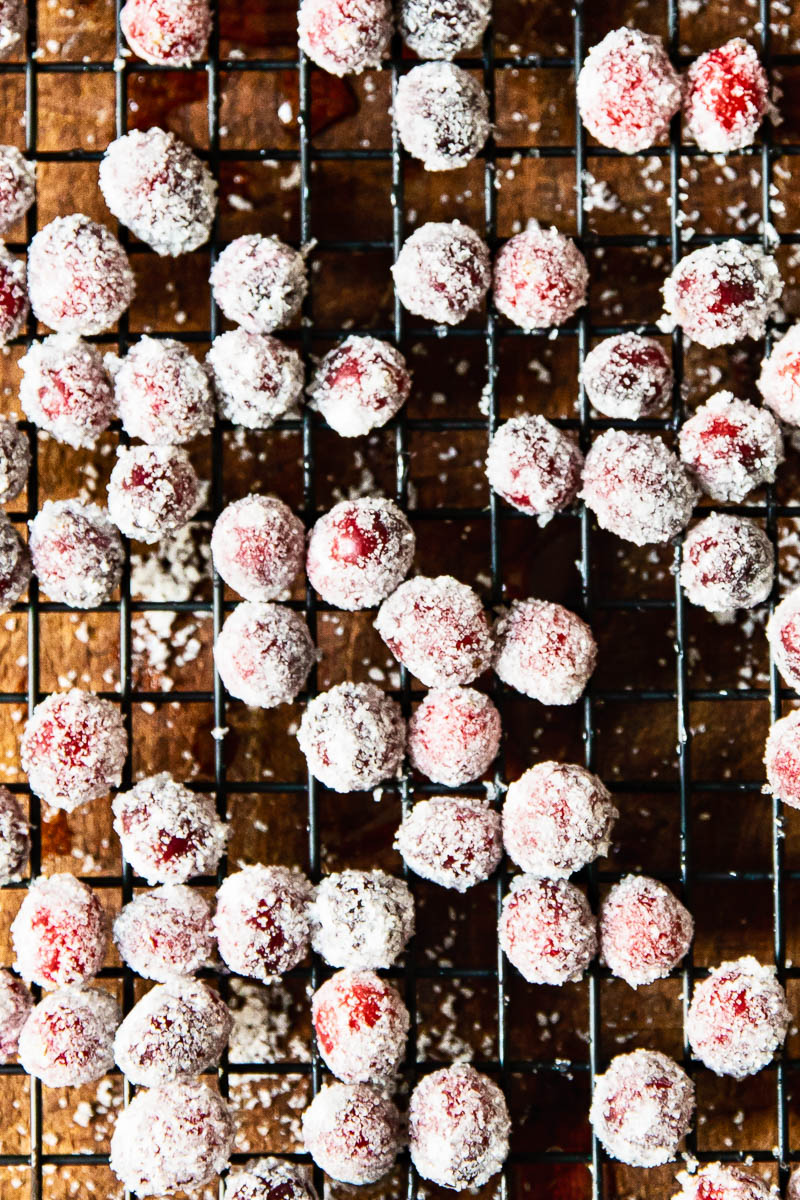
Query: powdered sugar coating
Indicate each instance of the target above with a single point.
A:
(259, 282)
(17, 176)
(458, 1127)
(779, 382)
(738, 1018)
(79, 277)
(783, 635)
(256, 378)
(726, 96)
(359, 552)
(269, 1179)
(166, 933)
(636, 487)
(157, 186)
(15, 841)
(77, 553)
(13, 24)
(15, 460)
(644, 930)
(352, 1131)
(547, 929)
(360, 385)
(66, 390)
(153, 491)
(728, 563)
(540, 278)
(177, 1030)
(361, 919)
(15, 564)
(13, 296)
(557, 818)
(442, 272)
(444, 29)
(170, 32)
(642, 1107)
(168, 833)
(258, 547)
(723, 1181)
(723, 293)
(782, 758)
(628, 376)
(534, 466)
(262, 921)
(73, 748)
(67, 1039)
(451, 840)
(628, 91)
(437, 628)
(442, 115)
(162, 393)
(544, 651)
(454, 735)
(60, 933)
(353, 737)
(731, 447)
(264, 653)
(16, 1003)
(176, 1136)
(361, 1025)
(344, 37)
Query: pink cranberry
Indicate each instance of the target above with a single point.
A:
(77, 553)
(361, 919)
(162, 393)
(258, 546)
(547, 930)
(628, 376)
(170, 32)
(534, 466)
(16, 1003)
(458, 1127)
(264, 653)
(13, 296)
(444, 31)
(645, 931)
(540, 278)
(723, 293)
(177, 1030)
(361, 1025)
(782, 758)
(726, 96)
(783, 634)
(15, 841)
(454, 735)
(60, 933)
(738, 1018)
(451, 840)
(166, 932)
(442, 115)
(259, 282)
(67, 1040)
(544, 651)
(728, 563)
(628, 90)
(352, 1131)
(168, 834)
(724, 1181)
(74, 748)
(779, 383)
(359, 552)
(13, 24)
(271, 1179)
(636, 487)
(15, 460)
(153, 491)
(345, 37)
(17, 175)
(642, 1107)
(360, 385)
(79, 277)
(66, 390)
(262, 921)
(353, 737)
(731, 447)
(15, 564)
(256, 378)
(442, 272)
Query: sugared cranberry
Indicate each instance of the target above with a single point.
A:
(724, 1181)
(16, 1003)
(642, 1107)
(60, 933)
(270, 1179)
(162, 393)
(353, 737)
(451, 840)
(67, 1040)
(13, 24)
(178, 1136)
(361, 919)
(731, 447)
(262, 921)
(73, 748)
(352, 1131)
(361, 1025)
(359, 552)
(783, 634)
(170, 32)
(454, 735)
(725, 98)
(738, 1018)
(544, 651)
(442, 115)
(166, 933)
(15, 564)
(153, 183)
(779, 382)
(728, 563)
(628, 376)
(79, 277)
(445, 30)
(344, 37)
(628, 90)
(168, 833)
(258, 546)
(458, 1127)
(540, 278)
(547, 929)
(15, 840)
(437, 629)
(177, 1030)
(66, 390)
(644, 929)
(256, 378)
(723, 293)
(442, 272)
(153, 491)
(77, 553)
(782, 758)
(259, 282)
(636, 487)
(360, 385)
(13, 296)
(15, 460)
(534, 466)
(264, 653)
(17, 177)
(557, 818)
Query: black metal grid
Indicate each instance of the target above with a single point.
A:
(583, 330)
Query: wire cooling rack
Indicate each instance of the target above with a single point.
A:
(402, 331)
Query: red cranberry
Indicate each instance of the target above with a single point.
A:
(728, 563)
(723, 293)
(17, 176)
(66, 390)
(13, 296)
(731, 447)
(779, 383)
(60, 933)
(540, 278)
(256, 378)
(361, 1025)
(259, 282)
(67, 1040)
(264, 653)
(724, 1181)
(645, 931)
(454, 735)
(15, 844)
(642, 1107)
(15, 460)
(353, 737)
(361, 919)
(153, 492)
(352, 1131)
(547, 929)
(270, 1179)
(13, 24)
(783, 634)
(782, 759)
(636, 487)
(258, 547)
(79, 277)
(168, 833)
(76, 552)
(451, 840)
(544, 651)
(16, 1003)
(360, 385)
(557, 818)
(442, 115)
(534, 466)
(262, 921)
(359, 552)
(458, 1127)
(162, 393)
(74, 748)
(738, 1018)
(444, 30)
(726, 97)
(166, 932)
(442, 272)
(177, 1030)
(628, 377)
(170, 32)
(628, 90)
(15, 564)
(344, 37)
